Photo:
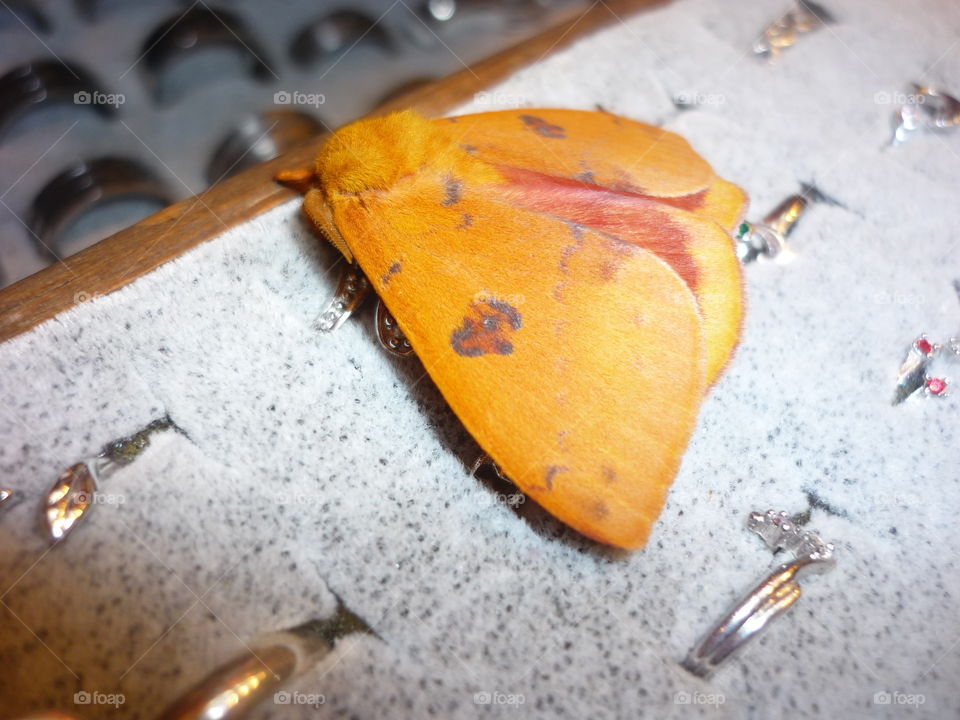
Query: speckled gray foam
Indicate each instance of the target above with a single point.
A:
(314, 464)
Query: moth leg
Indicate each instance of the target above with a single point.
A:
(389, 334)
(485, 461)
(352, 289)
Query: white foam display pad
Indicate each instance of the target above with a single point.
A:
(315, 463)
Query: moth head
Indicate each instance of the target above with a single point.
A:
(373, 154)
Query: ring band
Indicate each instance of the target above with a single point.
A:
(772, 597)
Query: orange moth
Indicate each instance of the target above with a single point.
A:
(567, 279)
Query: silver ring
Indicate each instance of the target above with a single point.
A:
(768, 239)
(772, 597)
(928, 109)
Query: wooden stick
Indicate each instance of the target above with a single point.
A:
(125, 256)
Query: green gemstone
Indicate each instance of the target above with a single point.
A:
(743, 230)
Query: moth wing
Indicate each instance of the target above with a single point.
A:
(696, 247)
(590, 147)
(706, 261)
(575, 359)
(723, 202)
(606, 151)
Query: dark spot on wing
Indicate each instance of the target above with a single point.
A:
(486, 329)
(466, 220)
(609, 475)
(469, 149)
(391, 271)
(586, 177)
(508, 311)
(600, 510)
(542, 128)
(551, 473)
(569, 250)
(608, 270)
(453, 189)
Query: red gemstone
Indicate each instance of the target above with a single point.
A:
(936, 386)
(924, 346)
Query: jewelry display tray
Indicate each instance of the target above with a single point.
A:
(312, 464)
